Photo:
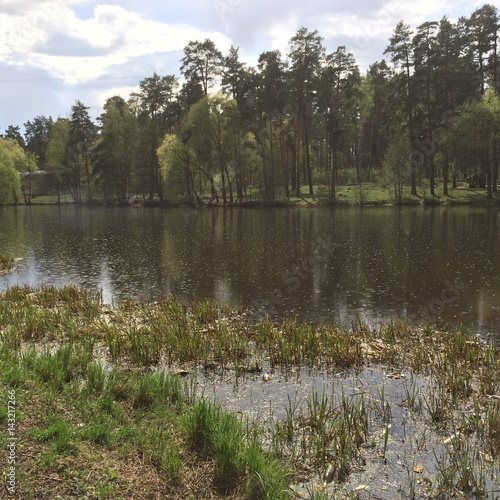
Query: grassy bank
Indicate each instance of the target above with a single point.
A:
(107, 404)
(368, 193)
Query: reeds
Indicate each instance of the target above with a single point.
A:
(127, 405)
(222, 436)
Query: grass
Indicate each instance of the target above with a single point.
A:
(103, 411)
(6, 262)
(366, 193)
(373, 193)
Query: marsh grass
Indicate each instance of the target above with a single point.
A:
(6, 262)
(128, 409)
(96, 413)
(327, 429)
(493, 428)
(237, 454)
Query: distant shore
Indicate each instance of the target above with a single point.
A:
(368, 194)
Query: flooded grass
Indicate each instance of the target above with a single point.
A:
(178, 400)
(6, 263)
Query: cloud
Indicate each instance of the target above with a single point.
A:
(78, 50)
(58, 51)
(363, 26)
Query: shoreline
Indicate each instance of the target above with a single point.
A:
(279, 204)
(115, 382)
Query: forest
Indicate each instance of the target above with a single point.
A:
(427, 116)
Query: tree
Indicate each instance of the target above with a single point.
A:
(82, 135)
(483, 28)
(450, 77)
(272, 99)
(158, 111)
(306, 56)
(113, 151)
(425, 59)
(215, 139)
(179, 168)
(13, 132)
(60, 159)
(202, 63)
(339, 106)
(239, 82)
(396, 166)
(36, 137)
(379, 80)
(195, 135)
(12, 158)
(400, 49)
(190, 93)
(475, 140)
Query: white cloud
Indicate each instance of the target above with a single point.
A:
(63, 50)
(281, 34)
(103, 95)
(38, 38)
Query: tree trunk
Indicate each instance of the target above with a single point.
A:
(213, 191)
(333, 175)
(308, 156)
(432, 176)
(495, 177)
(295, 166)
(223, 181)
(445, 175)
(489, 183)
(284, 162)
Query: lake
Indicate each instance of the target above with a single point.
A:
(317, 264)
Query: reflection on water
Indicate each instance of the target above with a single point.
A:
(318, 264)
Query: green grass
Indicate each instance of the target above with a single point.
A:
(106, 428)
(356, 194)
(374, 193)
(78, 417)
(223, 437)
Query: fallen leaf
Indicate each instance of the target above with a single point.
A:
(418, 469)
(361, 487)
(455, 438)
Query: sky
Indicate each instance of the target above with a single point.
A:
(57, 51)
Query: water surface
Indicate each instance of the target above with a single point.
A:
(318, 264)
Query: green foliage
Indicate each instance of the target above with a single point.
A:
(113, 151)
(58, 156)
(221, 435)
(474, 139)
(176, 163)
(396, 167)
(12, 161)
(306, 118)
(37, 135)
(58, 141)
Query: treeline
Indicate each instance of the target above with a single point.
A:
(309, 119)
